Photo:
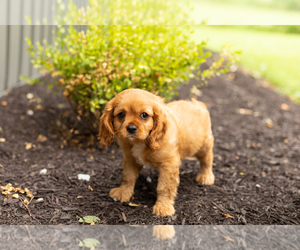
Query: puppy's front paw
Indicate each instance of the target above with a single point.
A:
(121, 194)
(163, 209)
(207, 179)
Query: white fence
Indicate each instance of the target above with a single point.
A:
(14, 58)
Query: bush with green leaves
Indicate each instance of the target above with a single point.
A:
(95, 64)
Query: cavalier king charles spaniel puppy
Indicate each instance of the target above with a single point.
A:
(152, 133)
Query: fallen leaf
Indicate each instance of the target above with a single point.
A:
(10, 189)
(89, 219)
(79, 197)
(1, 166)
(124, 217)
(16, 196)
(41, 138)
(29, 195)
(30, 112)
(20, 190)
(6, 187)
(134, 205)
(4, 103)
(227, 215)
(39, 107)
(268, 122)
(227, 238)
(90, 188)
(28, 145)
(29, 96)
(7, 193)
(285, 107)
(245, 111)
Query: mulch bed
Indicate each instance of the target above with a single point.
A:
(256, 162)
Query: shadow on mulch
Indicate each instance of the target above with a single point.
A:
(256, 162)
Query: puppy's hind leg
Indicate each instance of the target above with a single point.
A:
(206, 176)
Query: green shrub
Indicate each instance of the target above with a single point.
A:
(96, 64)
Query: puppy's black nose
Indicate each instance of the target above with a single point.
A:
(131, 129)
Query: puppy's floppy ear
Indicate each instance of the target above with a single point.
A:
(156, 136)
(106, 130)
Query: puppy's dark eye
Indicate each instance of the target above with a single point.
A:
(121, 115)
(144, 116)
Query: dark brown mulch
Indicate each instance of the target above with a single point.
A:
(257, 168)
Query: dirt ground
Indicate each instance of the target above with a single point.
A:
(256, 162)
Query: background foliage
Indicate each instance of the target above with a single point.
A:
(108, 56)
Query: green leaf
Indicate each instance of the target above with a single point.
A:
(102, 101)
(207, 54)
(80, 219)
(89, 219)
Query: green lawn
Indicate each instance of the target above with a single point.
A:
(273, 56)
(218, 13)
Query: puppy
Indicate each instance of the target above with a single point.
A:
(159, 135)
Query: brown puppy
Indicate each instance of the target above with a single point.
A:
(159, 135)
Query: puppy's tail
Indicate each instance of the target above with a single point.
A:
(197, 103)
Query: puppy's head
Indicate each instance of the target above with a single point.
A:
(136, 116)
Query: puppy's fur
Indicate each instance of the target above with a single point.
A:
(169, 133)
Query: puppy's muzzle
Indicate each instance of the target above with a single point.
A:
(131, 129)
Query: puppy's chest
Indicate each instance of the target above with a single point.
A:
(139, 152)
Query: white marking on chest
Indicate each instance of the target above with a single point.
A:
(137, 151)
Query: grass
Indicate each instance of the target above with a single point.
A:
(218, 13)
(273, 56)
(275, 4)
